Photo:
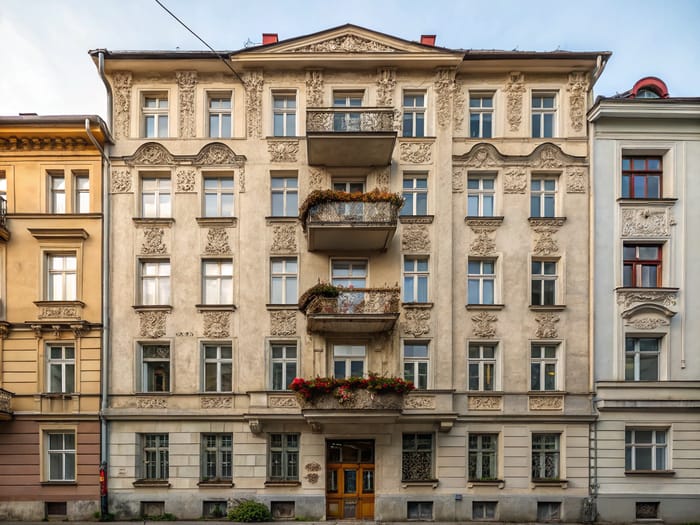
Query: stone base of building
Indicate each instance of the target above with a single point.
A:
(78, 510)
(667, 508)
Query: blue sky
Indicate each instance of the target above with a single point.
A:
(46, 69)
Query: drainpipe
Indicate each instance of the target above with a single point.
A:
(101, 71)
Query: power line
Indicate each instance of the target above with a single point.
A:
(201, 40)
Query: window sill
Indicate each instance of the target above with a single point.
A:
(547, 307)
(638, 289)
(422, 483)
(217, 221)
(153, 221)
(281, 218)
(215, 483)
(657, 473)
(289, 483)
(152, 307)
(485, 306)
(215, 307)
(416, 219)
(647, 200)
(482, 220)
(59, 395)
(59, 483)
(48, 303)
(500, 483)
(545, 220)
(425, 306)
(562, 483)
(152, 483)
(274, 306)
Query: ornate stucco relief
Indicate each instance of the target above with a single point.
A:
(284, 238)
(547, 326)
(282, 402)
(386, 83)
(217, 242)
(416, 152)
(318, 178)
(459, 104)
(458, 175)
(121, 180)
(152, 324)
(60, 312)
(185, 180)
(314, 88)
(417, 322)
(419, 402)
(629, 298)
(545, 243)
(577, 88)
(546, 402)
(382, 177)
(216, 402)
(153, 242)
(646, 222)
(217, 154)
(515, 87)
(186, 83)
(575, 180)
(515, 180)
(483, 243)
(647, 323)
(415, 238)
(253, 82)
(345, 44)
(121, 81)
(283, 322)
(283, 150)
(485, 403)
(444, 88)
(482, 156)
(151, 154)
(484, 324)
(151, 402)
(217, 324)
(548, 156)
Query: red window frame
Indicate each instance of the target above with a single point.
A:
(633, 278)
(631, 173)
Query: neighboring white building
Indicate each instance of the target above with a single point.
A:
(646, 310)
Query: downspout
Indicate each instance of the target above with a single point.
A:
(101, 71)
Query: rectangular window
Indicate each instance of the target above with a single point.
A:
(414, 114)
(284, 457)
(57, 192)
(61, 368)
(415, 194)
(220, 116)
(415, 363)
(483, 451)
(481, 195)
(155, 368)
(544, 283)
(646, 449)
(642, 265)
(218, 368)
(60, 450)
(284, 115)
(218, 196)
(419, 510)
(285, 196)
(218, 282)
(548, 511)
(349, 361)
(155, 115)
(155, 282)
(155, 456)
(417, 457)
(482, 366)
(480, 115)
(61, 278)
(283, 280)
(349, 274)
(217, 457)
(544, 112)
(481, 286)
(543, 192)
(543, 367)
(641, 178)
(3, 186)
(347, 120)
(484, 510)
(642, 358)
(284, 364)
(81, 192)
(415, 279)
(155, 197)
(545, 457)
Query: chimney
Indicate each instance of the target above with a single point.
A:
(427, 40)
(269, 38)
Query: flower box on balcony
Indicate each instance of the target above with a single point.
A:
(340, 206)
(374, 392)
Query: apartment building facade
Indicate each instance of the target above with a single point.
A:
(439, 197)
(51, 315)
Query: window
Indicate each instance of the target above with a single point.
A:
(155, 197)
(480, 195)
(419, 510)
(543, 192)
(480, 115)
(61, 455)
(217, 457)
(642, 265)
(483, 451)
(645, 449)
(218, 196)
(544, 110)
(347, 120)
(641, 177)
(81, 190)
(57, 192)
(284, 364)
(349, 274)
(3, 186)
(544, 283)
(415, 363)
(155, 282)
(414, 114)
(545, 457)
(543, 367)
(548, 511)
(348, 361)
(284, 115)
(218, 282)
(415, 279)
(646, 510)
(284, 457)
(415, 194)
(218, 368)
(155, 456)
(61, 280)
(481, 281)
(155, 115)
(61, 368)
(349, 186)
(482, 366)
(219, 115)
(283, 280)
(484, 510)
(285, 196)
(155, 368)
(417, 457)
(642, 358)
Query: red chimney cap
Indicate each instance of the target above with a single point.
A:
(269, 38)
(427, 40)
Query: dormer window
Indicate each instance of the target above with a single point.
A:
(647, 93)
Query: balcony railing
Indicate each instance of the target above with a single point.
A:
(357, 301)
(5, 404)
(354, 212)
(349, 120)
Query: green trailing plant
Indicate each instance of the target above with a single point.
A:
(324, 196)
(322, 289)
(250, 510)
(344, 389)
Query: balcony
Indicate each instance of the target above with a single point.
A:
(4, 232)
(5, 405)
(350, 136)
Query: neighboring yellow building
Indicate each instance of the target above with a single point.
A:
(51, 315)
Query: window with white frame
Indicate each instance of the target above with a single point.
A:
(415, 279)
(57, 192)
(417, 457)
(349, 360)
(285, 196)
(218, 195)
(482, 366)
(155, 197)
(480, 115)
(481, 285)
(60, 452)
(349, 273)
(220, 114)
(543, 367)
(483, 453)
(284, 114)
(284, 365)
(543, 291)
(217, 276)
(415, 363)
(154, 456)
(545, 457)
(646, 449)
(414, 114)
(155, 115)
(544, 113)
(155, 282)
(81, 192)
(484, 510)
(61, 277)
(284, 457)
(481, 195)
(155, 367)
(642, 358)
(218, 367)
(60, 360)
(347, 120)
(283, 280)
(217, 457)
(543, 193)
(415, 194)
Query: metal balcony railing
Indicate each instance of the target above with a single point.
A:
(358, 301)
(344, 120)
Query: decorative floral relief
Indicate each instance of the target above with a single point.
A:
(253, 82)
(482, 156)
(484, 403)
(647, 323)
(312, 477)
(241, 180)
(186, 82)
(151, 402)
(575, 180)
(417, 322)
(185, 180)
(283, 150)
(386, 83)
(548, 156)
(547, 326)
(121, 81)
(415, 238)
(217, 242)
(314, 88)
(458, 180)
(646, 222)
(317, 178)
(424, 402)
(216, 324)
(484, 324)
(121, 181)
(545, 244)
(153, 242)
(546, 402)
(217, 154)
(282, 402)
(577, 88)
(515, 87)
(151, 154)
(663, 297)
(216, 402)
(345, 44)
(459, 104)
(59, 312)
(382, 177)
(483, 243)
(283, 322)
(416, 152)
(284, 238)
(444, 87)
(152, 324)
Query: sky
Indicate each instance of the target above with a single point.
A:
(45, 68)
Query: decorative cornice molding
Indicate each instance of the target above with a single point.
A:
(213, 154)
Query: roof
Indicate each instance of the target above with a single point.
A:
(44, 124)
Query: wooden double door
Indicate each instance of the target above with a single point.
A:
(350, 479)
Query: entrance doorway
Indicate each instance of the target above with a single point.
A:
(350, 479)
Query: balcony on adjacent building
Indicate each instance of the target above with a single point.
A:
(4, 232)
(5, 405)
(357, 136)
